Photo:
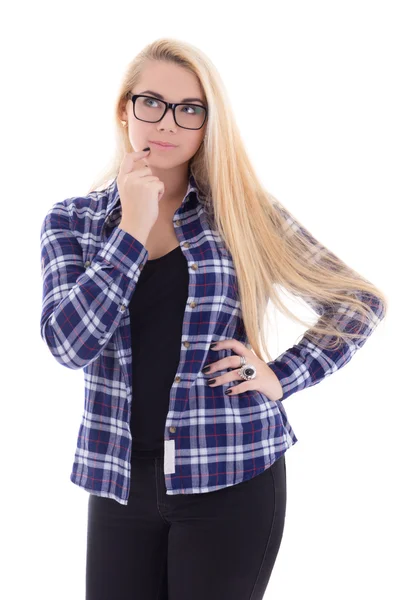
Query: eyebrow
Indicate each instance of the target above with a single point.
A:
(162, 97)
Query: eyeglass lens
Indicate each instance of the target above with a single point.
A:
(190, 116)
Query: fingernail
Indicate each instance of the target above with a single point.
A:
(227, 392)
(213, 345)
(144, 149)
(205, 369)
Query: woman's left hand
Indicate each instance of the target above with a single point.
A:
(265, 380)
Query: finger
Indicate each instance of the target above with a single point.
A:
(226, 378)
(230, 344)
(239, 388)
(130, 159)
(229, 362)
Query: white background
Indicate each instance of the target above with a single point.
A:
(326, 144)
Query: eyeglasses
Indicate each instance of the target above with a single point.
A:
(152, 110)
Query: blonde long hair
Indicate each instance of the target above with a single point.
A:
(269, 247)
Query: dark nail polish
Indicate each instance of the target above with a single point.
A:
(227, 392)
(205, 369)
(213, 345)
(148, 148)
(211, 381)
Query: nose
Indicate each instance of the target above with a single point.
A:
(168, 118)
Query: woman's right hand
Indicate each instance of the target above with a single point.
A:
(140, 193)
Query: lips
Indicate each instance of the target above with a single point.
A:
(165, 144)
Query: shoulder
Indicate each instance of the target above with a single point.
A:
(76, 211)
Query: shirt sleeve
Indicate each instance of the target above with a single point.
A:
(307, 363)
(82, 304)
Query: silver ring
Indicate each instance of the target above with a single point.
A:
(242, 361)
(247, 372)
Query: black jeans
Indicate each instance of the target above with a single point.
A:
(218, 545)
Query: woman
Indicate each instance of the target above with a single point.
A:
(160, 282)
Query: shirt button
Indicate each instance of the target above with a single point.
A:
(187, 344)
(87, 264)
(123, 307)
(177, 379)
(172, 429)
(178, 222)
(194, 267)
(193, 305)
(186, 244)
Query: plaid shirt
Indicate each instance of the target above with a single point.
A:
(90, 268)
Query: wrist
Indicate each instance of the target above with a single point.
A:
(276, 391)
(141, 236)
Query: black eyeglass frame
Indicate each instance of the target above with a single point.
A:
(168, 105)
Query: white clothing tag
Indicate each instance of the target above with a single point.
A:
(169, 456)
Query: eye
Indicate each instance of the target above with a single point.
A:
(192, 109)
(147, 100)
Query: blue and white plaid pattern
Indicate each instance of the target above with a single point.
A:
(90, 268)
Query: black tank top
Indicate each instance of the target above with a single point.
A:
(156, 313)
